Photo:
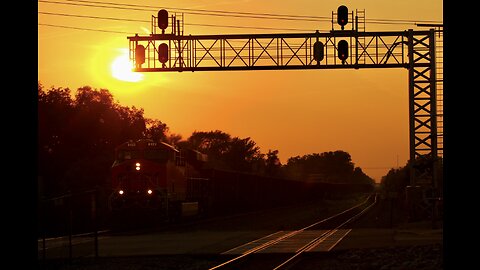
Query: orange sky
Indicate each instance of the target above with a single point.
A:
(363, 112)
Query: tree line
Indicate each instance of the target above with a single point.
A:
(77, 135)
(397, 180)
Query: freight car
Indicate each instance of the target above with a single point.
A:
(231, 191)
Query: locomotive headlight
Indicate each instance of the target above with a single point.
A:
(137, 166)
(120, 192)
(149, 191)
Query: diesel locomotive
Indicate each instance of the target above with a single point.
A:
(152, 175)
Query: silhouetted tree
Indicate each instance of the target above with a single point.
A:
(213, 143)
(398, 179)
(335, 167)
(133, 123)
(227, 152)
(55, 109)
(243, 155)
(273, 165)
(360, 177)
(175, 139)
(156, 130)
(77, 136)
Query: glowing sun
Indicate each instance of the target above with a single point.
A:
(122, 69)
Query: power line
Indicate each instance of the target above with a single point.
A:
(248, 27)
(193, 12)
(195, 24)
(81, 28)
(124, 6)
(99, 6)
(204, 10)
(91, 17)
(116, 32)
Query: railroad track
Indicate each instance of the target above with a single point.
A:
(283, 249)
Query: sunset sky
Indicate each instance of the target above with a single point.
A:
(363, 112)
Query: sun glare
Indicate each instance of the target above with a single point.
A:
(122, 69)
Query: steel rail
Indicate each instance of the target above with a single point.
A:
(322, 237)
(293, 233)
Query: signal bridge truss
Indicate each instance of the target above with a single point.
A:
(281, 51)
(412, 50)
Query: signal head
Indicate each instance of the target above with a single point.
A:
(318, 51)
(342, 15)
(342, 48)
(139, 54)
(163, 53)
(162, 19)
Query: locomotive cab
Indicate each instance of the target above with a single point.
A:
(141, 174)
(153, 175)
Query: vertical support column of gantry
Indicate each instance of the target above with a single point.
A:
(422, 107)
(422, 121)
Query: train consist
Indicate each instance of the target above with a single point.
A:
(157, 176)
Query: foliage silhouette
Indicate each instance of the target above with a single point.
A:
(77, 135)
(332, 167)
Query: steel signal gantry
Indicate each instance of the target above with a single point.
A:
(337, 49)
